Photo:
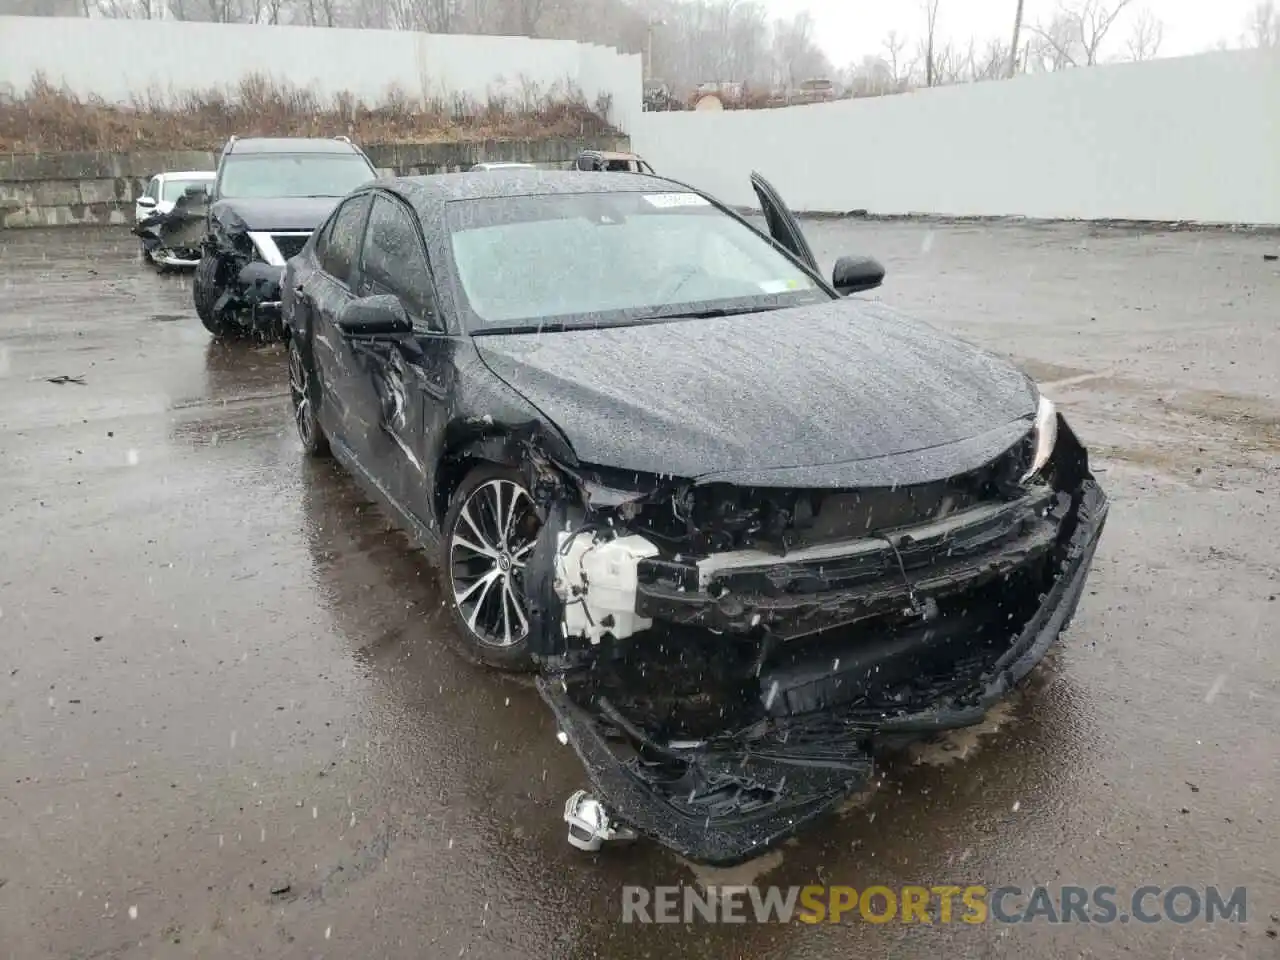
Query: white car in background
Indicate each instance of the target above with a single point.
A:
(164, 190)
(502, 165)
(161, 194)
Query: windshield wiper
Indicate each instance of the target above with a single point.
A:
(528, 328)
(558, 327)
(706, 314)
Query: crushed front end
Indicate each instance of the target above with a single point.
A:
(173, 238)
(250, 267)
(723, 658)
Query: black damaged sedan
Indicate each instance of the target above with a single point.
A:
(739, 523)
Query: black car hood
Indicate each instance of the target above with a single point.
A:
(290, 213)
(839, 394)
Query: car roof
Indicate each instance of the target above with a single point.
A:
(611, 155)
(428, 191)
(290, 145)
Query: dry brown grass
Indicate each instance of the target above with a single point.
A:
(48, 119)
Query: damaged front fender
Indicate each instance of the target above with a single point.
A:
(245, 281)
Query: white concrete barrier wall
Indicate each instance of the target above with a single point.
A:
(1193, 138)
(119, 60)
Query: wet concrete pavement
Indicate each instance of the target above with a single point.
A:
(229, 726)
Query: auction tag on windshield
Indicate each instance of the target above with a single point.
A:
(778, 286)
(667, 200)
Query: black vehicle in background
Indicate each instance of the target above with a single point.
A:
(740, 522)
(610, 161)
(267, 198)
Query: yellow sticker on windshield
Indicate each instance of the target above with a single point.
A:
(778, 286)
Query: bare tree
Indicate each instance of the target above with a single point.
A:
(1262, 29)
(1096, 18)
(220, 11)
(115, 10)
(929, 42)
(1054, 44)
(989, 62)
(1075, 34)
(797, 56)
(870, 77)
(1145, 37)
(894, 45)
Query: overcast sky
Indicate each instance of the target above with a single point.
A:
(850, 29)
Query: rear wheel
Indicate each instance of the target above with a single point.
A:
(302, 391)
(489, 534)
(205, 293)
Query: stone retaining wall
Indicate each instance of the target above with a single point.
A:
(70, 189)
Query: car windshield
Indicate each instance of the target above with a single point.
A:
(579, 260)
(173, 189)
(294, 175)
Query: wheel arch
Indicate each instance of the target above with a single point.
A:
(463, 456)
(529, 448)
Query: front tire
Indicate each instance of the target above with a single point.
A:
(205, 293)
(489, 534)
(303, 392)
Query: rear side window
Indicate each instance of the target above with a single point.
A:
(341, 243)
(394, 261)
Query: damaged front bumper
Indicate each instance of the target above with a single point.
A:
(174, 258)
(793, 668)
(250, 271)
(254, 287)
(173, 238)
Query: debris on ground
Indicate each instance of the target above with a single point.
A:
(65, 378)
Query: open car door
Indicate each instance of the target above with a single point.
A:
(783, 225)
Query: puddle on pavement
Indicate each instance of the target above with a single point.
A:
(960, 744)
(743, 875)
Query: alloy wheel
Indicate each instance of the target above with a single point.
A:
(489, 545)
(300, 391)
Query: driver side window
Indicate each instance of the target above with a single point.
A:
(394, 261)
(153, 189)
(340, 245)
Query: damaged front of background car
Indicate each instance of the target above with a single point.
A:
(269, 195)
(237, 287)
(173, 238)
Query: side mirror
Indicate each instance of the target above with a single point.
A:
(147, 202)
(379, 315)
(855, 274)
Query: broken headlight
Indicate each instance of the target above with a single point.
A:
(607, 488)
(1044, 436)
